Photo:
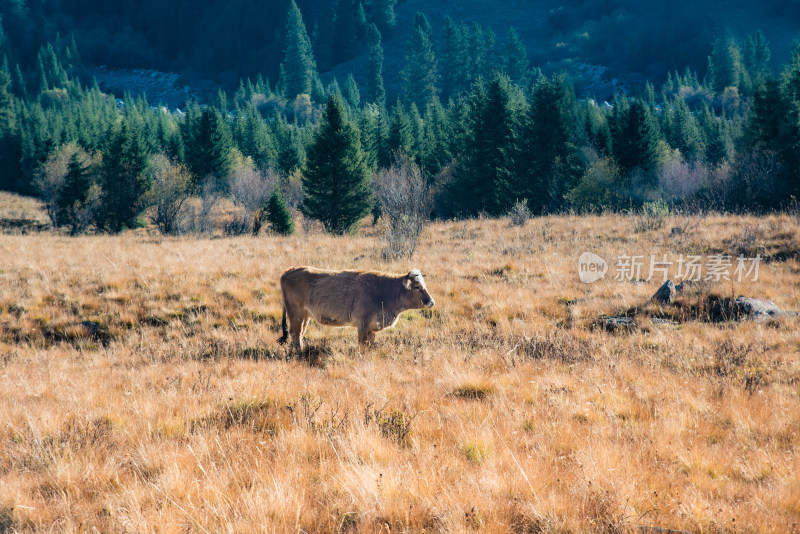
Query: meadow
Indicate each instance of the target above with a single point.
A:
(142, 388)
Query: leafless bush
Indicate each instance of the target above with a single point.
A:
(794, 209)
(519, 213)
(251, 188)
(679, 180)
(405, 202)
(50, 176)
(209, 199)
(168, 193)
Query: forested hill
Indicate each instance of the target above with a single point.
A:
(224, 41)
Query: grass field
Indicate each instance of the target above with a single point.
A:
(142, 388)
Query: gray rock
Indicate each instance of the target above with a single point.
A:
(760, 308)
(665, 293)
(617, 323)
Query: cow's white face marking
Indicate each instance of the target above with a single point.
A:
(416, 276)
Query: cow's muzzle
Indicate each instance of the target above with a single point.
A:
(429, 303)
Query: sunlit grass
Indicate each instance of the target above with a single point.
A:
(142, 388)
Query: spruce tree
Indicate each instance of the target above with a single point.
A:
(208, 153)
(278, 215)
(514, 59)
(454, 59)
(336, 180)
(548, 166)
(682, 130)
(400, 136)
(484, 178)
(375, 91)
(124, 177)
(351, 93)
(420, 72)
(437, 152)
(298, 69)
(74, 191)
(635, 140)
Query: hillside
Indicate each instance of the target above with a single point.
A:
(603, 41)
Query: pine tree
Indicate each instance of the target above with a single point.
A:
(382, 13)
(376, 92)
(253, 137)
(298, 69)
(454, 59)
(635, 139)
(400, 135)
(548, 166)
(74, 191)
(208, 152)
(437, 151)
(725, 66)
(336, 180)
(278, 215)
(420, 72)
(484, 177)
(682, 130)
(514, 58)
(718, 145)
(124, 177)
(351, 93)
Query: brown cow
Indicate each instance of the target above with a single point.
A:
(370, 301)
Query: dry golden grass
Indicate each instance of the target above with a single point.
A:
(142, 389)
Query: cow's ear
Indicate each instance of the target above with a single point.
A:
(407, 282)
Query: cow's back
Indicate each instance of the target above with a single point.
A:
(328, 296)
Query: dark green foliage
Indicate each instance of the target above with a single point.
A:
(725, 65)
(278, 215)
(208, 142)
(682, 131)
(420, 74)
(74, 192)
(124, 178)
(298, 69)
(719, 144)
(376, 93)
(437, 152)
(514, 58)
(484, 180)
(400, 136)
(253, 137)
(336, 180)
(635, 137)
(549, 165)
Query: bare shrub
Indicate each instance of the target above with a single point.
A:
(405, 202)
(51, 175)
(250, 188)
(679, 180)
(209, 199)
(168, 193)
(519, 213)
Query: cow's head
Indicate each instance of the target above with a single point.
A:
(414, 284)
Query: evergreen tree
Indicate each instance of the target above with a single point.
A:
(420, 71)
(278, 215)
(74, 192)
(336, 180)
(484, 177)
(635, 139)
(400, 135)
(454, 59)
(376, 92)
(351, 93)
(382, 14)
(514, 58)
(718, 145)
(549, 166)
(725, 66)
(789, 144)
(124, 177)
(208, 151)
(756, 56)
(298, 69)
(253, 137)
(682, 130)
(436, 152)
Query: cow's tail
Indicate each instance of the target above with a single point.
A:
(284, 328)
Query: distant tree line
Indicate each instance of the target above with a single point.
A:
(486, 129)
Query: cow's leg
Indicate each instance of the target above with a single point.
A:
(363, 333)
(296, 331)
